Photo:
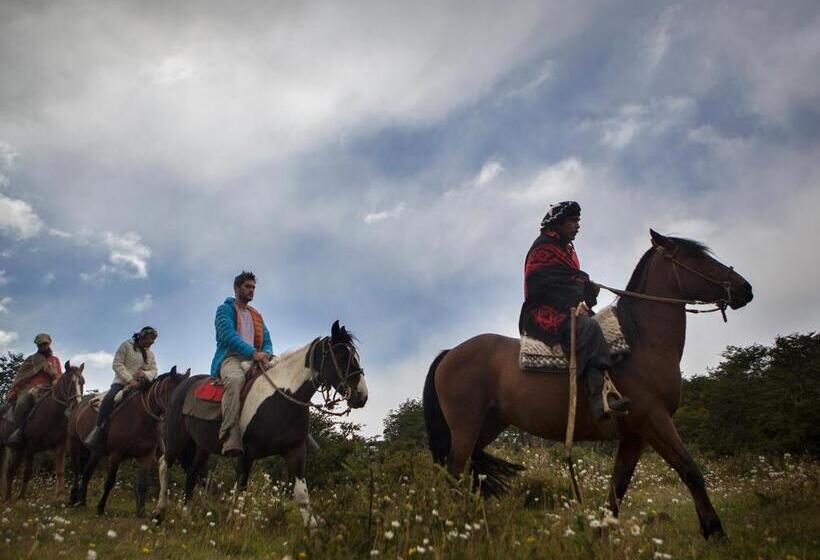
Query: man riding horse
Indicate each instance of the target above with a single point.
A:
(554, 284)
(241, 335)
(134, 367)
(40, 369)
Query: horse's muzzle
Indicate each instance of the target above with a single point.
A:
(741, 296)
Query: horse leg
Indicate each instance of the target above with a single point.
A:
(162, 499)
(243, 471)
(59, 467)
(75, 454)
(193, 473)
(143, 479)
(113, 466)
(12, 463)
(463, 440)
(28, 467)
(295, 462)
(629, 451)
(88, 472)
(665, 439)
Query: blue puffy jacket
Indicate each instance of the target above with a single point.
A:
(228, 339)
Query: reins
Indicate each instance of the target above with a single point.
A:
(720, 304)
(330, 403)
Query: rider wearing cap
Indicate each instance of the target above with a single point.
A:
(554, 284)
(40, 369)
(134, 366)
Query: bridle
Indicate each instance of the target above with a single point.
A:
(69, 399)
(145, 397)
(326, 389)
(720, 303)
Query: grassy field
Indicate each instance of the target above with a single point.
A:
(397, 504)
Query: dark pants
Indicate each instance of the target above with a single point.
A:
(108, 403)
(591, 349)
(22, 408)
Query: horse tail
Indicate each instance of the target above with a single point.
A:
(438, 432)
(492, 474)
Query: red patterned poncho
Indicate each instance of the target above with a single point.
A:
(553, 283)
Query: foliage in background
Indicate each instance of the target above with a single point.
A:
(761, 399)
(404, 426)
(10, 362)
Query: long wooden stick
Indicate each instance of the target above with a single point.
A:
(573, 401)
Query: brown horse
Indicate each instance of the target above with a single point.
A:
(474, 391)
(133, 432)
(45, 430)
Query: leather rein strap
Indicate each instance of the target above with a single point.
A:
(720, 304)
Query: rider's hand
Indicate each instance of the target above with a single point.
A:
(583, 309)
(140, 376)
(262, 359)
(133, 384)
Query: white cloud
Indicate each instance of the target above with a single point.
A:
(142, 303)
(48, 278)
(18, 219)
(560, 181)
(392, 214)
(3, 278)
(4, 302)
(98, 373)
(633, 121)
(60, 233)
(127, 256)
(6, 338)
(491, 169)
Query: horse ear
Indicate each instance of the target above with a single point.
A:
(660, 240)
(174, 370)
(67, 365)
(82, 367)
(334, 329)
(188, 373)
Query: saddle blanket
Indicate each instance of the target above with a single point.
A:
(205, 401)
(535, 355)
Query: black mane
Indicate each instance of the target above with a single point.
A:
(626, 305)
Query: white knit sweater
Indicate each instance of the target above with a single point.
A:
(128, 361)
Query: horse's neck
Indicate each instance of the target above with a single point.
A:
(289, 372)
(662, 325)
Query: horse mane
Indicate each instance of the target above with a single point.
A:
(626, 305)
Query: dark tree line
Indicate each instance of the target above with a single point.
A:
(759, 399)
(10, 362)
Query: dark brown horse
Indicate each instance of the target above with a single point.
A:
(45, 430)
(274, 418)
(133, 432)
(474, 391)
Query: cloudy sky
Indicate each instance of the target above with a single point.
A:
(388, 163)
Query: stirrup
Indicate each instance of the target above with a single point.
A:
(610, 389)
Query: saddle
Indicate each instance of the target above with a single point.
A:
(535, 355)
(95, 400)
(38, 393)
(205, 400)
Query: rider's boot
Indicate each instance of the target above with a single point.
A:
(232, 447)
(595, 389)
(96, 438)
(22, 408)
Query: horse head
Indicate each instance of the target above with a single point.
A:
(165, 384)
(71, 383)
(697, 275)
(340, 366)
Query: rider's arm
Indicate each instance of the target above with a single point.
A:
(226, 333)
(118, 366)
(267, 346)
(150, 368)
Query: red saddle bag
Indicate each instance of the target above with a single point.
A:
(209, 391)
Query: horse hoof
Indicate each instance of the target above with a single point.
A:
(156, 517)
(100, 511)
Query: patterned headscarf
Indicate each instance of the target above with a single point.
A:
(559, 211)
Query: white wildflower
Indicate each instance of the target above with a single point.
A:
(395, 524)
(58, 537)
(657, 541)
(635, 530)
(569, 532)
(112, 534)
(374, 552)
(143, 527)
(92, 555)
(388, 535)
